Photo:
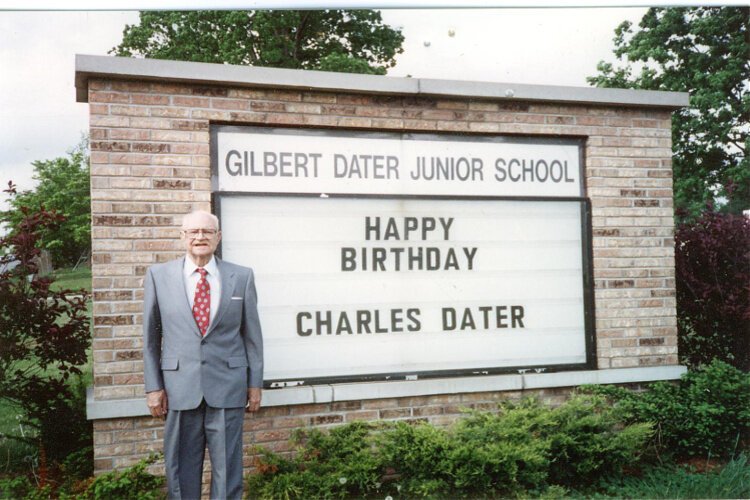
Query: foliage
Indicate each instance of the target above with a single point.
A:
(712, 259)
(421, 455)
(588, 440)
(704, 51)
(729, 481)
(77, 468)
(706, 414)
(133, 483)
(18, 487)
(337, 464)
(353, 41)
(43, 340)
(64, 187)
(526, 449)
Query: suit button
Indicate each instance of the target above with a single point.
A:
(203, 362)
(203, 342)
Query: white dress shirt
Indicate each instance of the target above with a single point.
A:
(192, 276)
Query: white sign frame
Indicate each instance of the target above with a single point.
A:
(222, 192)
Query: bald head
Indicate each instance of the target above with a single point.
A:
(198, 219)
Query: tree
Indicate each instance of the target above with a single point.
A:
(64, 186)
(44, 336)
(704, 51)
(354, 41)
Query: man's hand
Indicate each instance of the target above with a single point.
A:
(157, 403)
(253, 399)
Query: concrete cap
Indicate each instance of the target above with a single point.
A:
(127, 68)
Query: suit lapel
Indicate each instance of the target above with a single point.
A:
(228, 279)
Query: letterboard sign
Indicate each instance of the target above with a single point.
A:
(381, 256)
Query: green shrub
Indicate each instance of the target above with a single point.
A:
(77, 468)
(337, 464)
(21, 487)
(507, 452)
(529, 445)
(525, 450)
(589, 441)
(706, 414)
(731, 481)
(133, 483)
(420, 456)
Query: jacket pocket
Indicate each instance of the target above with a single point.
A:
(169, 363)
(237, 361)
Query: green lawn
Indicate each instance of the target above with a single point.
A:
(67, 278)
(14, 455)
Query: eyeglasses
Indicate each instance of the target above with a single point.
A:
(193, 233)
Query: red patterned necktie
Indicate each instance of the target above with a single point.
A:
(202, 302)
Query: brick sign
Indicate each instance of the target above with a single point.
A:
(406, 255)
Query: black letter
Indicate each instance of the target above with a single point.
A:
(500, 174)
(378, 258)
(336, 172)
(378, 329)
(516, 313)
(512, 163)
(237, 164)
(348, 262)
(449, 318)
(322, 322)
(300, 331)
(344, 325)
(269, 163)
(410, 225)
(433, 258)
(372, 228)
(501, 316)
(396, 320)
(470, 254)
(567, 179)
(413, 315)
(363, 321)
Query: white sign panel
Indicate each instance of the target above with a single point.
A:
(262, 160)
(375, 287)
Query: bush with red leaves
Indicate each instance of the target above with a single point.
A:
(712, 259)
(44, 335)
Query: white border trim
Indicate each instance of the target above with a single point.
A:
(249, 76)
(104, 409)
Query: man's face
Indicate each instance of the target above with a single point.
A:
(201, 237)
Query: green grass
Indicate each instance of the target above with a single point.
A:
(67, 278)
(14, 455)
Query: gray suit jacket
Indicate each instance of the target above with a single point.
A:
(219, 367)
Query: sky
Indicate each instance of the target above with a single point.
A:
(40, 118)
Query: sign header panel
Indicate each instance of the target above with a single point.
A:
(262, 160)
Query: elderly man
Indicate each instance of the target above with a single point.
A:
(203, 359)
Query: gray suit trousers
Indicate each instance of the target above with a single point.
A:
(186, 434)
